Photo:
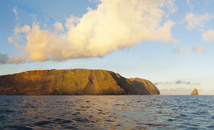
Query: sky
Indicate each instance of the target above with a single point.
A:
(169, 42)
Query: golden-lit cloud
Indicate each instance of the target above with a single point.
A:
(10, 39)
(16, 34)
(15, 60)
(113, 25)
(58, 27)
(4, 59)
(24, 29)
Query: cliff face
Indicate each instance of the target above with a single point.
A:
(144, 86)
(73, 82)
(194, 92)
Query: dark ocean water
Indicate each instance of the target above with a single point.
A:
(106, 112)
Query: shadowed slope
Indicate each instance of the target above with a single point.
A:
(144, 86)
(72, 82)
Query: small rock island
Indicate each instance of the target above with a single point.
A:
(74, 82)
(194, 92)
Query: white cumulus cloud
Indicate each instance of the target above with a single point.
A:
(113, 25)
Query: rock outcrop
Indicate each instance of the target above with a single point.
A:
(74, 82)
(194, 92)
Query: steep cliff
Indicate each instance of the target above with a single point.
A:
(194, 92)
(144, 86)
(73, 82)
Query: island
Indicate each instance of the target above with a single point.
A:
(194, 92)
(74, 82)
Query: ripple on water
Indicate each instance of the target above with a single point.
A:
(41, 123)
(19, 128)
(6, 111)
(106, 112)
(62, 121)
(70, 127)
(77, 113)
(81, 119)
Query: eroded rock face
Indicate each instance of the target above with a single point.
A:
(144, 86)
(194, 92)
(73, 82)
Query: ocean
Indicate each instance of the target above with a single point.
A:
(127, 112)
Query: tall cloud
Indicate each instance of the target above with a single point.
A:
(115, 24)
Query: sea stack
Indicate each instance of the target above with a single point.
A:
(194, 92)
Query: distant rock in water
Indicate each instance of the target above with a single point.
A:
(194, 92)
(74, 82)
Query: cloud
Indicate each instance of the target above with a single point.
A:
(190, 4)
(162, 83)
(58, 27)
(3, 58)
(10, 39)
(182, 51)
(16, 33)
(182, 82)
(197, 49)
(208, 35)
(114, 25)
(196, 21)
(70, 22)
(24, 29)
(177, 82)
(186, 50)
(16, 60)
(16, 13)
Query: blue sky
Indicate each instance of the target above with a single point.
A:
(167, 42)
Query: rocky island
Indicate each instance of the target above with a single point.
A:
(74, 82)
(194, 92)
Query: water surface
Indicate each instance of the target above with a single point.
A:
(106, 112)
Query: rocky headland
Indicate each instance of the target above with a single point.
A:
(74, 82)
